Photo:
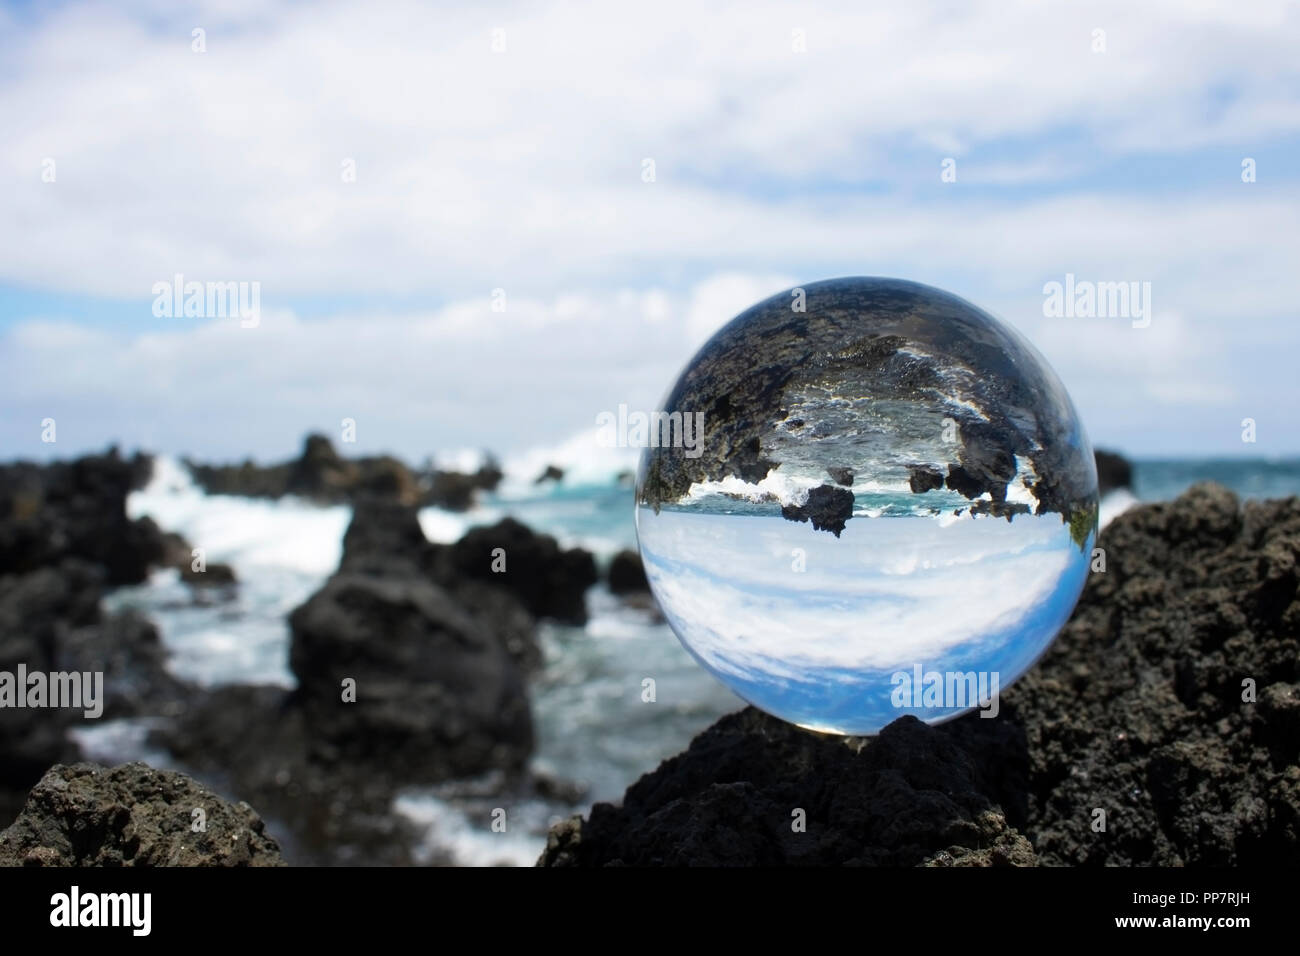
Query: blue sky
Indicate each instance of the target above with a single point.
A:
(520, 168)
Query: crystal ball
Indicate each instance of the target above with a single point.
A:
(865, 498)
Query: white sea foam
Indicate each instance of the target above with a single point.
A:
(445, 527)
(243, 532)
(787, 489)
(584, 461)
(111, 742)
(1115, 503)
(469, 840)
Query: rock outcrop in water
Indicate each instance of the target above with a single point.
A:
(550, 473)
(922, 479)
(76, 509)
(321, 474)
(828, 508)
(438, 658)
(409, 672)
(437, 691)
(1171, 701)
(627, 573)
(132, 815)
(438, 662)
(1113, 471)
(551, 581)
(65, 538)
(841, 476)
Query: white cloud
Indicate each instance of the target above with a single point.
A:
(718, 299)
(456, 377)
(522, 169)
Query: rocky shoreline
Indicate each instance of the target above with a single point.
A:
(322, 475)
(413, 664)
(411, 660)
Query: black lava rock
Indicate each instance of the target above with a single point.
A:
(828, 508)
(753, 791)
(549, 580)
(1113, 471)
(627, 574)
(841, 476)
(132, 815)
(1170, 701)
(922, 479)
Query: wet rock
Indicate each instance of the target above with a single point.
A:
(213, 575)
(550, 473)
(75, 509)
(319, 473)
(37, 611)
(1113, 471)
(127, 649)
(988, 459)
(999, 509)
(404, 675)
(922, 479)
(1169, 701)
(457, 491)
(438, 663)
(841, 476)
(132, 815)
(828, 508)
(177, 553)
(753, 790)
(627, 574)
(247, 479)
(964, 483)
(141, 470)
(1156, 731)
(384, 538)
(436, 692)
(489, 474)
(549, 580)
(253, 740)
(50, 621)
(451, 490)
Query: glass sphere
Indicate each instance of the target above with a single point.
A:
(865, 498)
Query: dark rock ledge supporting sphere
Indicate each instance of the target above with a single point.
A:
(1171, 701)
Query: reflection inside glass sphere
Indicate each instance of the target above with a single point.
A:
(890, 508)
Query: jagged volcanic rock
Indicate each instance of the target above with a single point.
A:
(827, 507)
(132, 815)
(1171, 701)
